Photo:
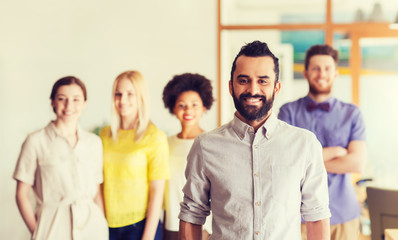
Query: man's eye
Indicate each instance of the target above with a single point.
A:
(262, 81)
(118, 94)
(243, 81)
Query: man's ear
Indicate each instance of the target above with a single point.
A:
(277, 88)
(230, 87)
(336, 75)
(305, 74)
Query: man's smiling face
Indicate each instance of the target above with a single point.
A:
(253, 87)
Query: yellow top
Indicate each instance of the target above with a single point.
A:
(129, 166)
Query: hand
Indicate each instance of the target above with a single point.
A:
(330, 153)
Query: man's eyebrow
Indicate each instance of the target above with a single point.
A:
(265, 76)
(247, 76)
(242, 76)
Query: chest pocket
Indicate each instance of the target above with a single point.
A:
(286, 182)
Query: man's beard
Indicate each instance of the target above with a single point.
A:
(316, 90)
(252, 113)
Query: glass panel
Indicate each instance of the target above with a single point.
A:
(301, 41)
(378, 98)
(261, 12)
(364, 11)
(342, 88)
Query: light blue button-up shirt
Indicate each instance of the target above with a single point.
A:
(257, 184)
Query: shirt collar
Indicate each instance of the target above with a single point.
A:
(266, 130)
(331, 100)
(53, 133)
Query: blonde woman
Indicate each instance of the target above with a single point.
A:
(135, 163)
(63, 165)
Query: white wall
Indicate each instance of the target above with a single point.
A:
(44, 40)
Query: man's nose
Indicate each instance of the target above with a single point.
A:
(254, 88)
(323, 72)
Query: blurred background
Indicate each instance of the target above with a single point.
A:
(42, 41)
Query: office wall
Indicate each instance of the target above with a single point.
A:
(44, 40)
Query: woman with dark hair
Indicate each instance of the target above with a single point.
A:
(187, 96)
(63, 165)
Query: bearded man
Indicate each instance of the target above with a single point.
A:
(340, 129)
(256, 174)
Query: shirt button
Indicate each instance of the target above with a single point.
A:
(251, 129)
(267, 135)
(255, 146)
(257, 203)
(257, 232)
(256, 174)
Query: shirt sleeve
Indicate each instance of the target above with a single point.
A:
(284, 114)
(158, 159)
(27, 162)
(357, 127)
(195, 206)
(314, 188)
(100, 162)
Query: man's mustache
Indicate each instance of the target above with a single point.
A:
(249, 95)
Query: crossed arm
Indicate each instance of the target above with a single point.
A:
(341, 160)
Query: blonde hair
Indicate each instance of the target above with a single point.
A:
(141, 90)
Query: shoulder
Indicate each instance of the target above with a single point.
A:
(153, 133)
(90, 137)
(36, 140)
(172, 139)
(290, 109)
(345, 105)
(293, 104)
(105, 132)
(37, 134)
(35, 137)
(216, 135)
(153, 130)
(347, 109)
(289, 131)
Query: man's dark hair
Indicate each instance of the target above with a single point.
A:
(188, 82)
(320, 49)
(256, 49)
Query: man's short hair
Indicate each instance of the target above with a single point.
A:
(320, 49)
(256, 49)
